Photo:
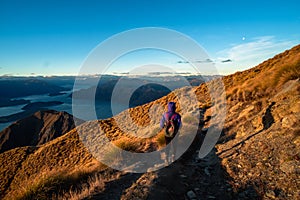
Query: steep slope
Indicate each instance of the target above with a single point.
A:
(26, 168)
(257, 156)
(37, 129)
(260, 146)
(255, 171)
(263, 155)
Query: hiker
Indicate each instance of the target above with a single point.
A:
(171, 122)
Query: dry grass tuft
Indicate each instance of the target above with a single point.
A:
(94, 184)
(160, 140)
(55, 184)
(129, 144)
(11, 161)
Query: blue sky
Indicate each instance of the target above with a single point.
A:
(54, 37)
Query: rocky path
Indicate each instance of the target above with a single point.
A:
(192, 178)
(188, 178)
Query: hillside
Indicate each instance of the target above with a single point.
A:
(256, 157)
(37, 129)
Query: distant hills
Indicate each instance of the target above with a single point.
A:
(37, 129)
(14, 88)
(256, 157)
(21, 87)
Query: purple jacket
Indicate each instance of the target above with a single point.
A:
(171, 111)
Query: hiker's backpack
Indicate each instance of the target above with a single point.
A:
(171, 126)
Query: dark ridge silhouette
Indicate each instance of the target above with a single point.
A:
(36, 129)
(25, 87)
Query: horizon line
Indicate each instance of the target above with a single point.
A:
(158, 74)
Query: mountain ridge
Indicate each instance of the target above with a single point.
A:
(36, 129)
(256, 157)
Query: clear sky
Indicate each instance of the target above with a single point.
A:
(53, 37)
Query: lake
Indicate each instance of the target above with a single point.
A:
(102, 108)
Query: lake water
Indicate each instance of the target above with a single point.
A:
(102, 108)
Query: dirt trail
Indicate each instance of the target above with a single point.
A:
(192, 178)
(114, 189)
(187, 178)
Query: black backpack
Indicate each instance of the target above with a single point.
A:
(171, 125)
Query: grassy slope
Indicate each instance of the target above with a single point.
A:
(260, 146)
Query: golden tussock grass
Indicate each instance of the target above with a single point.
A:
(61, 183)
(64, 153)
(265, 79)
(160, 140)
(11, 162)
(130, 144)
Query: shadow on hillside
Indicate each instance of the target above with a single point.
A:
(115, 188)
(267, 121)
(249, 190)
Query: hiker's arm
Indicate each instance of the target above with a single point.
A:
(162, 121)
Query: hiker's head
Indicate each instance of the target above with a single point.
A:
(171, 106)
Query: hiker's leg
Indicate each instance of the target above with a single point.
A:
(168, 148)
(174, 147)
